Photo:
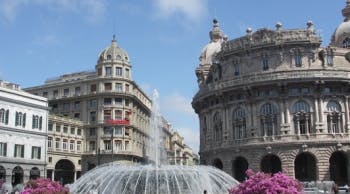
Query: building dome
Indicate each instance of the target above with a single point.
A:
(113, 52)
(341, 36)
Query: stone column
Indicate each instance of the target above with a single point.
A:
(347, 123)
(75, 176)
(317, 119)
(53, 174)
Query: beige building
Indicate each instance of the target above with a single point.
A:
(276, 100)
(176, 152)
(115, 109)
(65, 143)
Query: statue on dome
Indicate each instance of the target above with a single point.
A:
(213, 47)
(209, 52)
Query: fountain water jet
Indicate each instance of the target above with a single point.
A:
(153, 179)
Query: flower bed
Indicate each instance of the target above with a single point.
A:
(44, 186)
(263, 183)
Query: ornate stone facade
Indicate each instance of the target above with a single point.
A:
(114, 109)
(276, 100)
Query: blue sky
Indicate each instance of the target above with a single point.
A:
(42, 39)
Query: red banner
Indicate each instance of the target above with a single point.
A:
(118, 122)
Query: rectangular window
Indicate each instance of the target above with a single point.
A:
(298, 59)
(118, 145)
(107, 101)
(118, 130)
(77, 115)
(50, 160)
(36, 152)
(127, 145)
(79, 131)
(92, 131)
(119, 87)
(93, 103)
(127, 132)
(107, 114)
(93, 116)
(58, 128)
(50, 127)
(108, 86)
(126, 102)
(108, 71)
(77, 105)
(107, 144)
(71, 145)
(78, 146)
(45, 94)
(107, 130)
(3, 149)
(265, 63)
(93, 88)
(66, 107)
(37, 122)
(66, 92)
(118, 115)
(19, 151)
(118, 101)
(77, 91)
(118, 71)
(65, 144)
(92, 145)
(49, 142)
(58, 143)
(99, 71)
(236, 69)
(72, 130)
(65, 129)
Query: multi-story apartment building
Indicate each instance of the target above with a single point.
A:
(276, 100)
(115, 109)
(23, 130)
(65, 145)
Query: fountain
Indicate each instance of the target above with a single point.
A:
(155, 178)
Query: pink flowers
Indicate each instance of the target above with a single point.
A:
(261, 183)
(44, 186)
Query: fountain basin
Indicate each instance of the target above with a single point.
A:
(150, 179)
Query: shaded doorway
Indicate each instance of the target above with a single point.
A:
(218, 164)
(64, 172)
(271, 164)
(338, 168)
(305, 167)
(240, 166)
(34, 173)
(2, 173)
(17, 175)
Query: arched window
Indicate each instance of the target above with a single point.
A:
(109, 57)
(334, 117)
(346, 42)
(302, 117)
(217, 121)
(268, 119)
(239, 124)
(4, 116)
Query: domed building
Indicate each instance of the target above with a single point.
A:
(115, 111)
(276, 100)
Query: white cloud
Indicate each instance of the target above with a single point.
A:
(192, 10)
(176, 103)
(92, 10)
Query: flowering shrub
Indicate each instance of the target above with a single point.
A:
(44, 186)
(262, 183)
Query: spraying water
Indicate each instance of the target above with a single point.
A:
(157, 178)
